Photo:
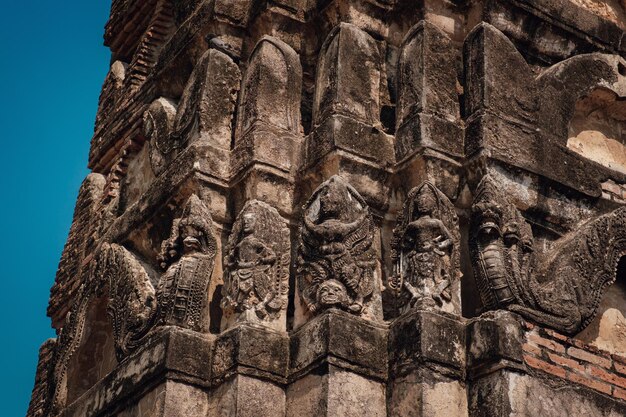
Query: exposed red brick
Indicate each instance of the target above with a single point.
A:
(591, 383)
(528, 326)
(550, 344)
(532, 349)
(597, 351)
(556, 335)
(589, 357)
(619, 358)
(620, 368)
(612, 187)
(619, 393)
(570, 363)
(544, 366)
(578, 343)
(607, 376)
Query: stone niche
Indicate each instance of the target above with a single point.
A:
(597, 129)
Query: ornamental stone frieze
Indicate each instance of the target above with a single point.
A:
(349, 208)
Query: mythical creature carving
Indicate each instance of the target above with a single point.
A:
(187, 258)
(561, 289)
(336, 262)
(132, 300)
(134, 306)
(257, 264)
(425, 250)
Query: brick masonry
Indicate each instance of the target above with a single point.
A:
(572, 360)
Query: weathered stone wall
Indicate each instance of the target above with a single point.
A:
(338, 208)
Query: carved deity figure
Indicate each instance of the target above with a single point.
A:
(187, 257)
(561, 288)
(425, 249)
(336, 261)
(257, 263)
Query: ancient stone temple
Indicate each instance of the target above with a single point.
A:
(392, 208)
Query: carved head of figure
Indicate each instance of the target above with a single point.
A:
(332, 293)
(196, 227)
(487, 213)
(425, 202)
(191, 233)
(332, 201)
(490, 217)
(248, 223)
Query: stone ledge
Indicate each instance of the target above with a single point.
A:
(494, 342)
(339, 132)
(340, 339)
(253, 351)
(169, 354)
(424, 338)
(429, 131)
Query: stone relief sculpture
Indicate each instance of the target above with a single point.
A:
(256, 263)
(336, 262)
(180, 297)
(187, 258)
(132, 300)
(425, 251)
(134, 306)
(561, 289)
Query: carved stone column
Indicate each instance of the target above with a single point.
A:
(338, 367)
(427, 340)
(338, 352)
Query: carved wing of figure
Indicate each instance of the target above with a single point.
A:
(230, 290)
(132, 301)
(280, 286)
(312, 267)
(309, 255)
(358, 243)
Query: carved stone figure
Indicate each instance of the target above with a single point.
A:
(132, 300)
(336, 260)
(187, 257)
(425, 250)
(134, 307)
(332, 293)
(561, 289)
(256, 264)
(501, 246)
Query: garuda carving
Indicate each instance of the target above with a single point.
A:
(336, 262)
(425, 251)
(561, 289)
(257, 264)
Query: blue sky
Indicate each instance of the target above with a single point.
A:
(52, 66)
